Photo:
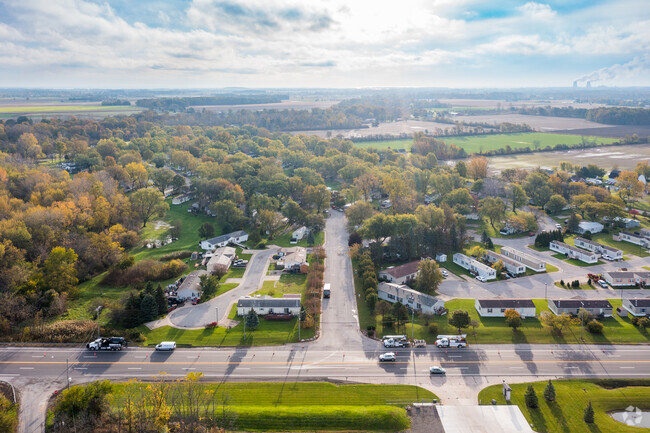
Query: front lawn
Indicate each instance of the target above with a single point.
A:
(575, 262)
(288, 283)
(572, 396)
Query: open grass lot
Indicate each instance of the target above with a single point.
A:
(482, 143)
(572, 396)
(268, 333)
(288, 283)
(493, 330)
(301, 406)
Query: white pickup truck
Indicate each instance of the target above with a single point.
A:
(451, 342)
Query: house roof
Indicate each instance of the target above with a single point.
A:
(581, 303)
(222, 256)
(294, 254)
(574, 249)
(639, 302)
(506, 303)
(402, 291)
(620, 274)
(402, 270)
(268, 302)
(586, 224)
(226, 237)
(192, 280)
(504, 259)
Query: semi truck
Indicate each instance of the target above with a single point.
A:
(112, 343)
(326, 290)
(451, 341)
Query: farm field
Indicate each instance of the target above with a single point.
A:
(284, 105)
(607, 157)
(505, 105)
(8, 112)
(388, 128)
(571, 398)
(540, 123)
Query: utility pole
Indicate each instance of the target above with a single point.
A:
(582, 320)
(412, 314)
(217, 308)
(67, 373)
(545, 291)
(299, 317)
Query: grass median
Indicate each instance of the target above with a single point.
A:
(572, 396)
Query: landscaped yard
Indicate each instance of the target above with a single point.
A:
(572, 396)
(567, 285)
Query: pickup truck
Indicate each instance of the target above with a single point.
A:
(102, 343)
(451, 342)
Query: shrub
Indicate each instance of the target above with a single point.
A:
(643, 322)
(183, 254)
(595, 327)
(211, 325)
(433, 328)
(531, 398)
(65, 331)
(143, 271)
(562, 283)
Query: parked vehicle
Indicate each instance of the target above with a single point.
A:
(451, 341)
(387, 357)
(389, 343)
(102, 343)
(419, 343)
(437, 370)
(326, 290)
(444, 273)
(481, 278)
(558, 226)
(166, 345)
(602, 283)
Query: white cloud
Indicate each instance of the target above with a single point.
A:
(537, 11)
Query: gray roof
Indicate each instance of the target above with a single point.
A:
(404, 292)
(596, 244)
(268, 302)
(192, 280)
(506, 303)
(226, 237)
(581, 303)
(640, 302)
(402, 270)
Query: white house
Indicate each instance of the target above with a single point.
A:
(627, 278)
(191, 286)
(573, 252)
(589, 226)
(530, 261)
(474, 266)
(221, 259)
(221, 241)
(597, 307)
(633, 238)
(512, 266)
(418, 301)
(293, 258)
(180, 199)
(639, 307)
(299, 234)
(401, 274)
(496, 307)
(263, 305)
(607, 252)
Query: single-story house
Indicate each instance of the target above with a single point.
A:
(530, 261)
(627, 278)
(645, 232)
(474, 266)
(496, 307)
(180, 199)
(573, 252)
(268, 305)
(589, 226)
(628, 223)
(299, 234)
(639, 307)
(221, 259)
(597, 307)
(223, 240)
(401, 274)
(512, 266)
(418, 301)
(191, 286)
(441, 258)
(633, 238)
(607, 252)
(294, 259)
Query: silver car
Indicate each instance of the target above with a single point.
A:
(389, 356)
(437, 370)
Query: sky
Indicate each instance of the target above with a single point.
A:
(324, 43)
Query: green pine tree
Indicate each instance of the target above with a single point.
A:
(161, 300)
(549, 391)
(252, 320)
(148, 308)
(589, 414)
(531, 398)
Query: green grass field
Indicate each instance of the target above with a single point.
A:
(484, 143)
(67, 108)
(288, 283)
(572, 396)
(300, 406)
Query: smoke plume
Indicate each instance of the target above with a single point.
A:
(636, 66)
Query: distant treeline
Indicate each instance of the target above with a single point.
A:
(606, 115)
(181, 104)
(112, 102)
(424, 145)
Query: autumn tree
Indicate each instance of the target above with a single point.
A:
(270, 222)
(538, 189)
(477, 167)
(137, 174)
(517, 196)
(317, 197)
(59, 270)
(429, 276)
(147, 203)
(557, 324)
(459, 319)
(513, 318)
(629, 186)
(492, 208)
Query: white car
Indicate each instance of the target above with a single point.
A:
(481, 278)
(558, 226)
(444, 273)
(602, 283)
(389, 356)
(437, 370)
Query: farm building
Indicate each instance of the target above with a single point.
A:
(180, 199)
(191, 286)
(627, 278)
(589, 226)
(221, 241)
(530, 261)
(221, 259)
(607, 252)
(401, 274)
(638, 307)
(288, 304)
(418, 301)
(597, 307)
(573, 252)
(497, 307)
(634, 238)
(510, 265)
(474, 266)
(294, 259)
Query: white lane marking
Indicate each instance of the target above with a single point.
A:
(80, 368)
(455, 356)
(135, 368)
(38, 356)
(26, 368)
(626, 367)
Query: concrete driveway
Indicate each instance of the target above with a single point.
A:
(197, 316)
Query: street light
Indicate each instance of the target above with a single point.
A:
(582, 320)
(412, 298)
(217, 308)
(545, 290)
